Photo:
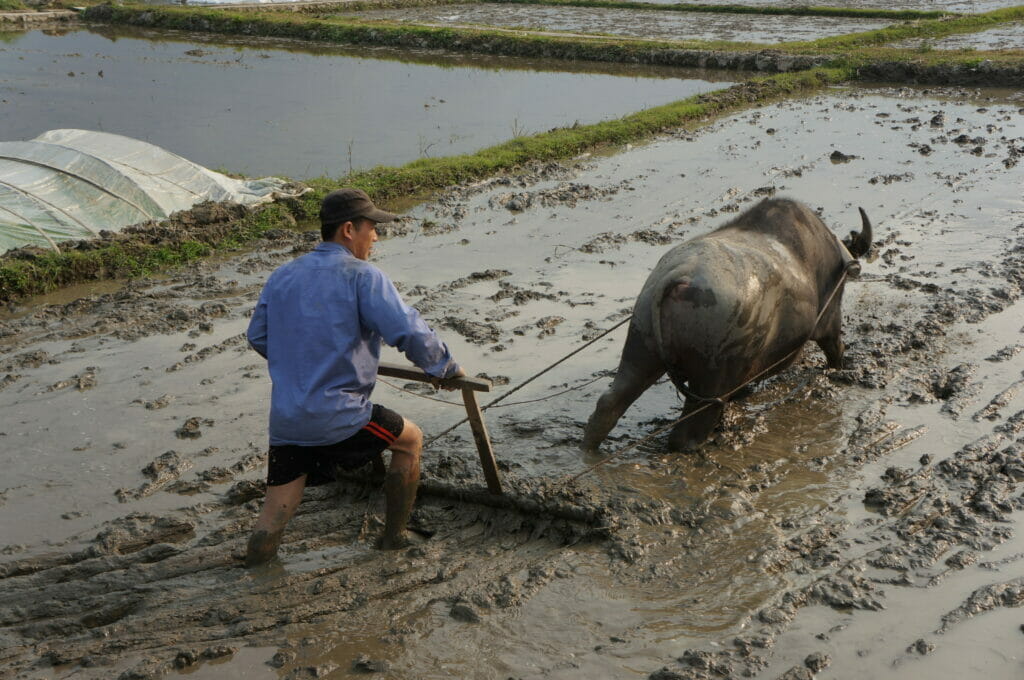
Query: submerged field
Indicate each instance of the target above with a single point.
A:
(860, 523)
(281, 108)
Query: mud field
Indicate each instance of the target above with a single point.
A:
(274, 107)
(964, 6)
(860, 523)
(654, 25)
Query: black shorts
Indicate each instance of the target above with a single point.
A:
(320, 463)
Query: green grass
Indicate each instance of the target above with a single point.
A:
(7, 5)
(936, 28)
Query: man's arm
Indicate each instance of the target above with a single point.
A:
(257, 331)
(381, 308)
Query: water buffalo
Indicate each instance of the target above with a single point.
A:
(731, 306)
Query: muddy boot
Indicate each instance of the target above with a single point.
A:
(400, 492)
(262, 547)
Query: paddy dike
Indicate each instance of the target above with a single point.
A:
(859, 523)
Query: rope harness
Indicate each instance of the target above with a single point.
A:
(705, 402)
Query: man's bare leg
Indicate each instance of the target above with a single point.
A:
(400, 485)
(279, 505)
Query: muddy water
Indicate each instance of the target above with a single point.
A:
(773, 504)
(262, 108)
(647, 24)
(1009, 37)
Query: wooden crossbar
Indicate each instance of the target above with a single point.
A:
(476, 417)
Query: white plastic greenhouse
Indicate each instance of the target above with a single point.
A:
(71, 184)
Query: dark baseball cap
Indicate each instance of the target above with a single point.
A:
(345, 205)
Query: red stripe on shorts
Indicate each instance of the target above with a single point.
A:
(375, 429)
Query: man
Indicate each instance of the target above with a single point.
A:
(319, 323)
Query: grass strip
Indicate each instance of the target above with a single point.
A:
(9, 5)
(935, 28)
(845, 12)
(33, 271)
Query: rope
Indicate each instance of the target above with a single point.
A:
(530, 379)
(551, 396)
(707, 401)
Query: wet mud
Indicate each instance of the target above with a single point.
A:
(1009, 37)
(653, 25)
(860, 522)
(962, 6)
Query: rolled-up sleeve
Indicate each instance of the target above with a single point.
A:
(257, 331)
(382, 309)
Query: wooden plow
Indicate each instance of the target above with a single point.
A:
(469, 387)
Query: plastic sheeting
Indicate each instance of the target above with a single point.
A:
(71, 184)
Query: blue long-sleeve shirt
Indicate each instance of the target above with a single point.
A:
(319, 323)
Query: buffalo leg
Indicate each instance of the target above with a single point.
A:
(830, 339)
(639, 368)
(700, 418)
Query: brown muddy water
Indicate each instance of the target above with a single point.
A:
(862, 523)
(270, 107)
(1008, 37)
(651, 24)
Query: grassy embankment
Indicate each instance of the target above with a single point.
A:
(8, 5)
(40, 272)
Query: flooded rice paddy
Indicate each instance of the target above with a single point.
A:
(860, 520)
(272, 107)
(652, 24)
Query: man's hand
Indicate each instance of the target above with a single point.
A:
(446, 383)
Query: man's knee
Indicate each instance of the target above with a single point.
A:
(410, 441)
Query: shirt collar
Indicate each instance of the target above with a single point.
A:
(331, 246)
